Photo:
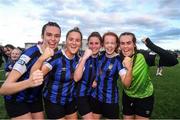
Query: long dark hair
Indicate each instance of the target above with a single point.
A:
(134, 56)
(95, 34)
(130, 34)
(50, 24)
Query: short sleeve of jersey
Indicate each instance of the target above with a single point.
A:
(21, 64)
(121, 69)
(51, 62)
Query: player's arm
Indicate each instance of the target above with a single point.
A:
(167, 58)
(45, 69)
(80, 67)
(126, 77)
(11, 86)
(38, 64)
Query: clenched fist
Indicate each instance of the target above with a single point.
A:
(144, 40)
(128, 63)
(48, 52)
(87, 53)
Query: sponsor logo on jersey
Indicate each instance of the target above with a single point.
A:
(90, 65)
(63, 69)
(110, 67)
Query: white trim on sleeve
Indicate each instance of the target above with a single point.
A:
(20, 68)
(122, 71)
(20, 65)
(48, 65)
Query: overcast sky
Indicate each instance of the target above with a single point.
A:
(22, 20)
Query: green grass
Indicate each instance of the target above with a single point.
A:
(3, 114)
(2, 74)
(167, 94)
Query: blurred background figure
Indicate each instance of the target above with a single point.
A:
(159, 68)
(15, 54)
(1, 55)
(7, 50)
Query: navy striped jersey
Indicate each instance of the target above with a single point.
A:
(84, 86)
(23, 65)
(107, 76)
(60, 87)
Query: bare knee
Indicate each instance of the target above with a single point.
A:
(128, 117)
(38, 115)
(141, 117)
(72, 116)
(88, 116)
(25, 116)
(96, 116)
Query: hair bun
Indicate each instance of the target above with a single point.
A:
(76, 29)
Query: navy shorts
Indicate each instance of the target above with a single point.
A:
(15, 109)
(57, 111)
(84, 105)
(137, 106)
(108, 110)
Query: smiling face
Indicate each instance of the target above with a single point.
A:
(110, 44)
(94, 44)
(51, 37)
(127, 45)
(73, 43)
(15, 54)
